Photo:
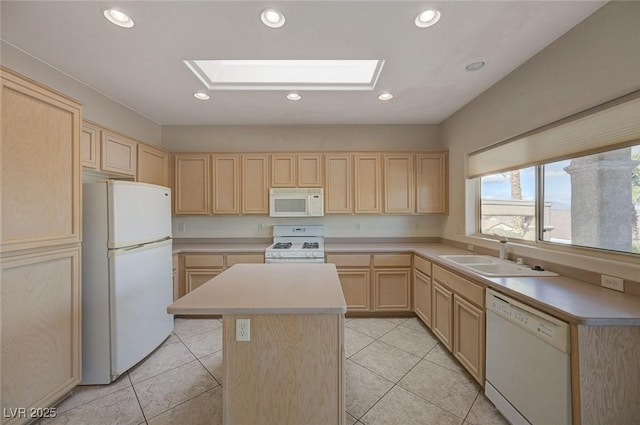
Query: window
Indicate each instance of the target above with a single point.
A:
(590, 201)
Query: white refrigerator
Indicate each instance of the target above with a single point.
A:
(127, 276)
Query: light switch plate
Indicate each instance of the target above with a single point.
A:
(612, 282)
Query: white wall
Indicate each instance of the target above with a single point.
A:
(596, 61)
(96, 107)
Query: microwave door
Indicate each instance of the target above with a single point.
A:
(290, 207)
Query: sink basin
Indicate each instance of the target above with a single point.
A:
(486, 265)
(470, 259)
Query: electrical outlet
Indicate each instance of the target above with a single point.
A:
(260, 226)
(182, 227)
(611, 282)
(243, 329)
(358, 227)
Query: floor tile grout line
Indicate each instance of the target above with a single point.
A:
(471, 407)
(92, 400)
(168, 370)
(183, 402)
(135, 393)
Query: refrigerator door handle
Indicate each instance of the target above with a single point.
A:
(139, 247)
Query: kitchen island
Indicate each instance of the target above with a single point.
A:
(291, 369)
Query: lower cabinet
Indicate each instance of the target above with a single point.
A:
(355, 287)
(458, 319)
(197, 277)
(40, 329)
(392, 290)
(422, 296)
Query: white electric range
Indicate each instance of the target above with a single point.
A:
(296, 244)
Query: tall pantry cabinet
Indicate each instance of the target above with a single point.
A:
(39, 246)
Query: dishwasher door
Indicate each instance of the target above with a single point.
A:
(528, 375)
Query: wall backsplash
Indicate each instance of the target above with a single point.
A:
(335, 226)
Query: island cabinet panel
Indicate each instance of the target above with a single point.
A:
(40, 164)
(469, 336)
(310, 170)
(119, 154)
(255, 184)
(283, 170)
(293, 365)
(431, 180)
(40, 329)
(399, 177)
(355, 287)
(226, 184)
(422, 296)
(153, 165)
(392, 290)
(339, 184)
(191, 184)
(90, 149)
(368, 184)
(442, 314)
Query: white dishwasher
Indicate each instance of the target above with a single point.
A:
(528, 376)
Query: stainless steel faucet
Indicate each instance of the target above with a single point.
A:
(503, 247)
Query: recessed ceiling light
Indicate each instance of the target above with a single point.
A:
(475, 66)
(201, 96)
(428, 18)
(272, 18)
(385, 96)
(294, 96)
(118, 18)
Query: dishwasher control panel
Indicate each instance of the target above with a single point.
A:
(542, 325)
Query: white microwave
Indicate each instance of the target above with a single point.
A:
(296, 202)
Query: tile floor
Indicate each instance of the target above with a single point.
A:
(396, 373)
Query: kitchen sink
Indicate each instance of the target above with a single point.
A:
(494, 267)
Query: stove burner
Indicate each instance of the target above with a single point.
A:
(310, 245)
(282, 245)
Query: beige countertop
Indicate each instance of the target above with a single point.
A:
(267, 289)
(568, 299)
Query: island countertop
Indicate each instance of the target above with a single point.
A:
(267, 289)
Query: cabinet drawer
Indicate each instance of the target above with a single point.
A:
(392, 260)
(244, 258)
(469, 290)
(349, 260)
(203, 260)
(421, 264)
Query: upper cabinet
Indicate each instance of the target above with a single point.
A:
(431, 180)
(296, 170)
(153, 165)
(338, 197)
(191, 184)
(119, 154)
(226, 184)
(368, 183)
(40, 163)
(90, 148)
(399, 180)
(255, 184)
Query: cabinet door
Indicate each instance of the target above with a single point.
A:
(431, 194)
(40, 327)
(40, 164)
(191, 184)
(153, 165)
(226, 184)
(469, 337)
(310, 170)
(339, 187)
(283, 170)
(119, 154)
(255, 184)
(399, 193)
(90, 149)
(355, 286)
(441, 314)
(198, 277)
(392, 290)
(422, 297)
(368, 183)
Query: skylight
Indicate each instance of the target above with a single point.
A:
(287, 74)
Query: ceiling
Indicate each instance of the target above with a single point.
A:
(142, 67)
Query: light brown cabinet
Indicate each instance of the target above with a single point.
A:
(40, 245)
(354, 272)
(431, 182)
(399, 177)
(233, 259)
(422, 289)
(283, 170)
(153, 165)
(191, 184)
(310, 170)
(392, 282)
(458, 319)
(226, 184)
(118, 154)
(339, 184)
(296, 170)
(255, 184)
(368, 184)
(195, 278)
(90, 148)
